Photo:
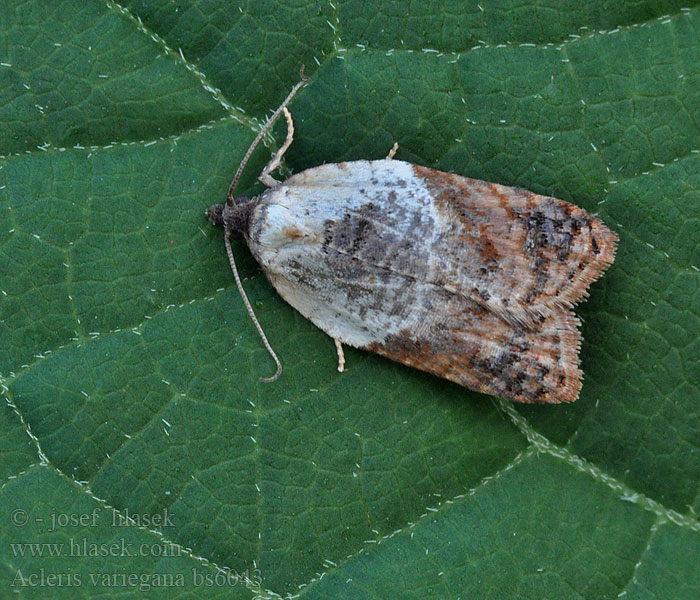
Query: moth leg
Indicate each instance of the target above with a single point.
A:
(265, 178)
(341, 356)
(393, 151)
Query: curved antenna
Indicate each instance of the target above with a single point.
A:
(253, 318)
(263, 131)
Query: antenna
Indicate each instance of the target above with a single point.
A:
(241, 291)
(263, 131)
(227, 230)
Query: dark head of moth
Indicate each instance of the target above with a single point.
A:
(471, 281)
(233, 217)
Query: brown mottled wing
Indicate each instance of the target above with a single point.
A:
(526, 260)
(476, 348)
(465, 279)
(523, 254)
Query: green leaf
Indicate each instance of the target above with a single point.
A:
(130, 368)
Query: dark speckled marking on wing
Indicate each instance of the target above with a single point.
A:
(530, 255)
(477, 349)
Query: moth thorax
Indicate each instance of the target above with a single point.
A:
(233, 217)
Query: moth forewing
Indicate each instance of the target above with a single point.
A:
(468, 280)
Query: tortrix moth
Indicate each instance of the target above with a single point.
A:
(471, 281)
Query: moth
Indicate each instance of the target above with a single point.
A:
(472, 281)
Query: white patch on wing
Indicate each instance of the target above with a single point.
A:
(358, 303)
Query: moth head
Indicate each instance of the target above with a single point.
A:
(234, 217)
